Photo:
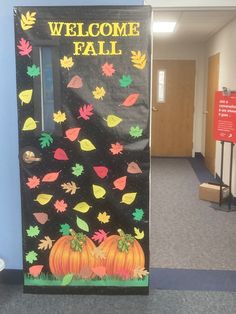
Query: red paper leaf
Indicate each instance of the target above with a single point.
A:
(75, 82)
(100, 271)
(130, 100)
(60, 154)
(120, 183)
(133, 168)
(51, 177)
(86, 112)
(42, 218)
(116, 148)
(33, 182)
(108, 69)
(60, 206)
(100, 236)
(101, 171)
(35, 270)
(72, 134)
(24, 47)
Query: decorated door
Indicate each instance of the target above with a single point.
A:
(83, 82)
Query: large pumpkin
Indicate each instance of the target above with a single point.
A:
(122, 255)
(72, 254)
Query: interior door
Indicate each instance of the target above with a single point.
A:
(172, 118)
(212, 87)
(83, 81)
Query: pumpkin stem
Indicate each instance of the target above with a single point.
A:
(78, 240)
(126, 240)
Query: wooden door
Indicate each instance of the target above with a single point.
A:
(172, 120)
(212, 87)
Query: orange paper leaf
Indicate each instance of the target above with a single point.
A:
(133, 168)
(72, 134)
(108, 69)
(120, 183)
(116, 148)
(75, 82)
(33, 182)
(42, 218)
(35, 270)
(60, 206)
(100, 271)
(130, 100)
(50, 177)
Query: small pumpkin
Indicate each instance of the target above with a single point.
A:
(123, 254)
(72, 254)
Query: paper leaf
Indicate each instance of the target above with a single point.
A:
(101, 171)
(24, 47)
(99, 236)
(70, 187)
(82, 207)
(135, 132)
(108, 69)
(60, 206)
(98, 191)
(33, 182)
(120, 183)
(59, 116)
(130, 100)
(99, 93)
(29, 125)
(133, 168)
(31, 257)
(51, 177)
(66, 62)
(85, 273)
(139, 235)
(138, 214)
(112, 121)
(67, 279)
(78, 170)
(35, 270)
(103, 217)
(75, 82)
(43, 199)
(60, 154)
(45, 140)
(98, 253)
(116, 149)
(82, 224)
(42, 218)
(32, 232)
(86, 145)
(27, 21)
(72, 134)
(99, 271)
(128, 198)
(26, 96)
(33, 71)
(125, 81)
(140, 273)
(86, 112)
(65, 229)
(45, 244)
(138, 59)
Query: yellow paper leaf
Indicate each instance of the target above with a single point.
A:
(98, 191)
(29, 125)
(59, 117)
(26, 96)
(99, 93)
(27, 21)
(43, 199)
(86, 145)
(138, 234)
(103, 217)
(128, 198)
(112, 120)
(66, 62)
(139, 61)
(82, 207)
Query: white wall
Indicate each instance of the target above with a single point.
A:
(195, 52)
(224, 42)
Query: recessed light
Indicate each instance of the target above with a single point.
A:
(164, 27)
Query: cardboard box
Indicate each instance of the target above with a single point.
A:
(211, 192)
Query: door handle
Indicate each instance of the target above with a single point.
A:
(155, 108)
(29, 157)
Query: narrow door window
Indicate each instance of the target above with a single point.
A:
(161, 86)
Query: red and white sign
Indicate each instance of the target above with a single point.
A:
(225, 117)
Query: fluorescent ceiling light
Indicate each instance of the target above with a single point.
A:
(164, 27)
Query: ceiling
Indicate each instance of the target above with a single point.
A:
(193, 26)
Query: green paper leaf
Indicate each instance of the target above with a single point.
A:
(33, 71)
(135, 131)
(77, 170)
(125, 81)
(82, 224)
(33, 231)
(45, 140)
(138, 214)
(65, 229)
(67, 279)
(31, 257)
